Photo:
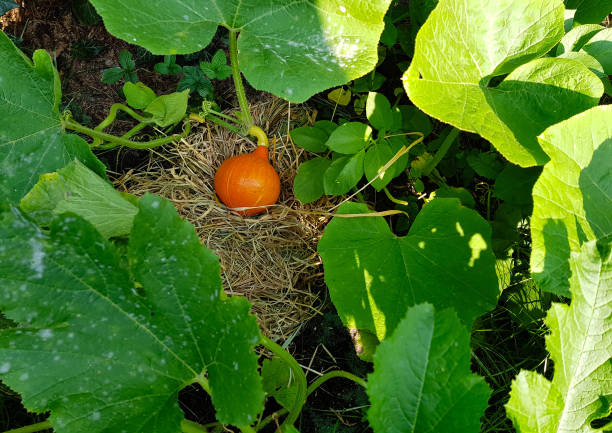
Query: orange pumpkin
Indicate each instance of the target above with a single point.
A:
(248, 180)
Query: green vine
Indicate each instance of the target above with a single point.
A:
(113, 141)
(247, 118)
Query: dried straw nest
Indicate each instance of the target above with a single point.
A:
(270, 259)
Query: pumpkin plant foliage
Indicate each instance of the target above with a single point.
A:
(422, 380)
(573, 196)
(453, 74)
(31, 138)
(293, 49)
(77, 189)
(374, 276)
(106, 342)
(580, 344)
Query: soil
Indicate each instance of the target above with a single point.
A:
(81, 54)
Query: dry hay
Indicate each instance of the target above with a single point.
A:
(270, 259)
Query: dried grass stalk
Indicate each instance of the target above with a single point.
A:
(270, 259)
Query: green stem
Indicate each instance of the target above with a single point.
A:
(313, 386)
(446, 144)
(119, 141)
(330, 375)
(247, 429)
(247, 119)
(224, 124)
(112, 114)
(134, 130)
(393, 199)
(298, 374)
(267, 420)
(45, 425)
(192, 427)
(225, 116)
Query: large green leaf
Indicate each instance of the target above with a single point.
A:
(590, 11)
(422, 380)
(600, 47)
(77, 189)
(106, 345)
(465, 44)
(374, 276)
(293, 49)
(31, 138)
(577, 37)
(572, 199)
(580, 344)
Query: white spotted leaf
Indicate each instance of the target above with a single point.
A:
(106, 344)
(293, 49)
(32, 141)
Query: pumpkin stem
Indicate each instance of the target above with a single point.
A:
(262, 138)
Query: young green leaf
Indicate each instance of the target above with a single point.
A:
(340, 96)
(580, 344)
(310, 138)
(343, 174)
(32, 141)
(486, 164)
(112, 75)
(590, 11)
(369, 82)
(219, 59)
(349, 138)
(428, 348)
(326, 125)
(374, 276)
(168, 109)
(514, 185)
(77, 189)
(278, 382)
(138, 95)
(308, 183)
(376, 158)
(107, 344)
(378, 111)
(577, 37)
(600, 47)
(450, 77)
(462, 194)
(126, 61)
(389, 34)
(195, 82)
(168, 66)
(593, 64)
(219, 63)
(415, 120)
(572, 199)
(303, 48)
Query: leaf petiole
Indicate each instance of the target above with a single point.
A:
(446, 144)
(242, 100)
(298, 374)
(45, 425)
(393, 199)
(120, 141)
(112, 114)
